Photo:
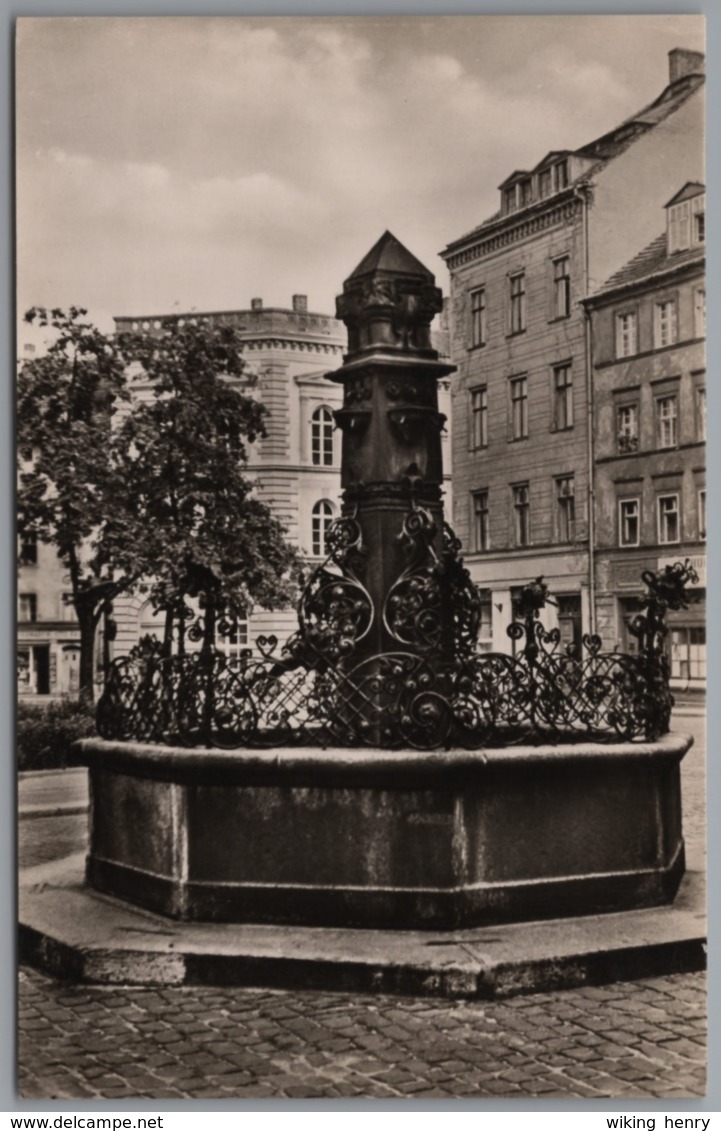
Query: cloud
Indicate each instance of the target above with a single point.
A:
(207, 160)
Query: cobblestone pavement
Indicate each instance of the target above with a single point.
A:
(634, 1039)
(644, 1038)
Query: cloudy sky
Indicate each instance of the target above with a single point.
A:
(194, 163)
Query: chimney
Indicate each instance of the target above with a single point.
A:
(682, 62)
(256, 304)
(300, 304)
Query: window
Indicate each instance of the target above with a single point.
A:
(521, 514)
(545, 183)
(701, 414)
(687, 223)
(627, 427)
(702, 513)
(27, 607)
(570, 624)
(509, 199)
(485, 627)
(481, 539)
(29, 550)
(478, 317)
(562, 397)
(321, 433)
(234, 643)
(562, 287)
(322, 520)
(669, 526)
(479, 418)
(565, 508)
(688, 652)
(518, 302)
(519, 408)
(664, 324)
(679, 235)
(628, 522)
(525, 190)
(626, 334)
(698, 219)
(561, 175)
(667, 422)
(699, 312)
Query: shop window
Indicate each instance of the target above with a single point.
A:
(688, 652)
(234, 643)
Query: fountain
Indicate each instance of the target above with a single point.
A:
(378, 771)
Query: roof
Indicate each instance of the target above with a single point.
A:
(389, 255)
(653, 261)
(603, 148)
(689, 190)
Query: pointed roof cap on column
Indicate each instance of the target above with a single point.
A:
(389, 255)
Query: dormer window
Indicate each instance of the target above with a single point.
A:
(545, 183)
(509, 199)
(525, 190)
(686, 219)
(561, 171)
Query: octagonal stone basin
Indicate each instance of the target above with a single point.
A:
(371, 838)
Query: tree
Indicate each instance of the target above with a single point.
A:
(70, 491)
(203, 530)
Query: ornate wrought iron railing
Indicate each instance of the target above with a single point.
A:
(312, 692)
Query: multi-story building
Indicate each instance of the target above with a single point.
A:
(521, 399)
(648, 332)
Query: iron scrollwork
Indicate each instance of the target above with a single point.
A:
(428, 693)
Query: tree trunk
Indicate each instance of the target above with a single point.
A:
(87, 621)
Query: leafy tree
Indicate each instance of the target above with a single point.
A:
(70, 491)
(203, 530)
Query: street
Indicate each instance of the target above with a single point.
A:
(635, 1039)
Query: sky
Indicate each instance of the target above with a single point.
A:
(195, 163)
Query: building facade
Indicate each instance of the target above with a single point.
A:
(648, 332)
(296, 467)
(521, 399)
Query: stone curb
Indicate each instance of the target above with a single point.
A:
(70, 932)
(63, 809)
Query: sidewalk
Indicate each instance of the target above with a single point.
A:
(53, 793)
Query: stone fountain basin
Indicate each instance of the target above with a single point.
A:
(375, 838)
